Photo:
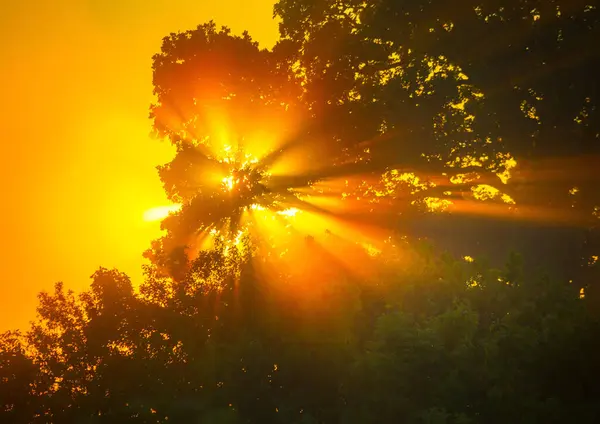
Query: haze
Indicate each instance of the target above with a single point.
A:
(78, 166)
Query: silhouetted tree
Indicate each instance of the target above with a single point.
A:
(215, 94)
(407, 104)
(442, 341)
(458, 90)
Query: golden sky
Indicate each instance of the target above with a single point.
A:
(78, 166)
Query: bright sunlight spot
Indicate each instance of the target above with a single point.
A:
(160, 212)
(228, 182)
(289, 212)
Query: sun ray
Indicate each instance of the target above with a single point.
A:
(160, 212)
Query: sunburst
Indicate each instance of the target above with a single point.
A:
(243, 201)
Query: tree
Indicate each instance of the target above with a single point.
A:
(318, 329)
(442, 341)
(471, 87)
(218, 97)
(18, 376)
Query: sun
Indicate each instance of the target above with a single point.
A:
(270, 203)
(229, 182)
(243, 181)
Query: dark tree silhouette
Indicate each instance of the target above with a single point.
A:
(460, 86)
(395, 107)
(443, 341)
(216, 91)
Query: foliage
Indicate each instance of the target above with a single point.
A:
(397, 107)
(492, 100)
(393, 107)
(445, 342)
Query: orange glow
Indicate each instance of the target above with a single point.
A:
(83, 184)
(228, 182)
(289, 212)
(160, 212)
(81, 165)
(342, 240)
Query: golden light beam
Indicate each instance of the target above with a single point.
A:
(160, 212)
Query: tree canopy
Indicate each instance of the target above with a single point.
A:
(389, 119)
(292, 284)
(444, 342)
